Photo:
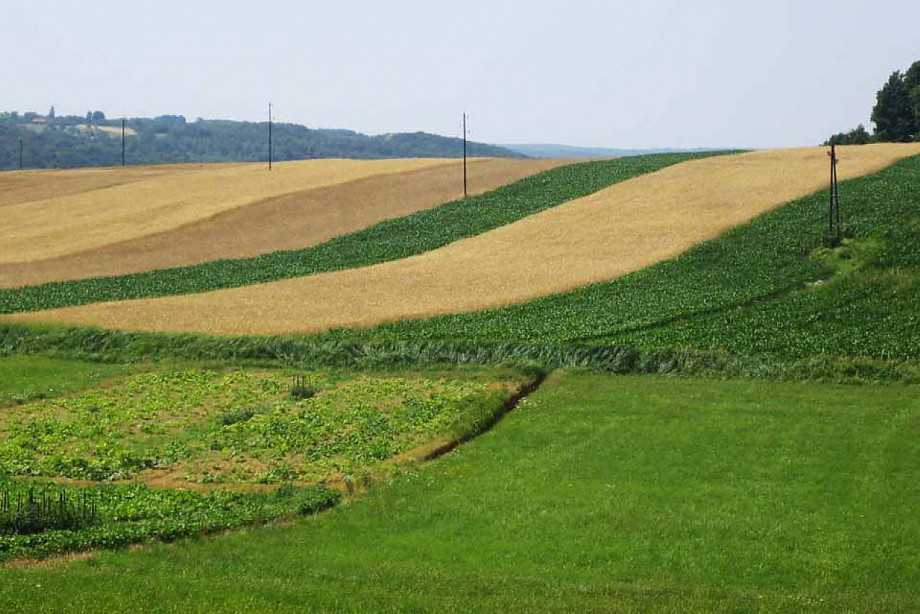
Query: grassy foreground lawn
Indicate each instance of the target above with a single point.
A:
(23, 378)
(596, 493)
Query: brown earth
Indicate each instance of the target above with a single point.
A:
(290, 221)
(610, 233)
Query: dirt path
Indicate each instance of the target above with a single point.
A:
(618, 230)
(290, 221)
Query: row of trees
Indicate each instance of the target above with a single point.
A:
(896, 114)
(77, 141)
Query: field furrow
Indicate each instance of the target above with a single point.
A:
(295, 220)
(612, 232)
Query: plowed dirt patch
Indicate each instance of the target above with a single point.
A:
(291, 221)
(78, 222)
(612, 232)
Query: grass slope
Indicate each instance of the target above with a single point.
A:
(757, 289)
(597, 494)
(23, 378)
(390, 240)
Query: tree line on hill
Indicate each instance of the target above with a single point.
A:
(896, 113)
(53, 141)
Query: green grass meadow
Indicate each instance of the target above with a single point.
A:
(25, 378)
(598, 493)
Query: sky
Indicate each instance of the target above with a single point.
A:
(637, 74)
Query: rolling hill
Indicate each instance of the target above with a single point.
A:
(616, 231)
(74, 142)
(116, 221)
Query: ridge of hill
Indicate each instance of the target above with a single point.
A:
(73, 142)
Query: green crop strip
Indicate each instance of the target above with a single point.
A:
(761, 288)
(390, 240)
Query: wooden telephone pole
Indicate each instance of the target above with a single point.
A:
(464, 156)
(835, 234)
(269, 136)
(122, 141)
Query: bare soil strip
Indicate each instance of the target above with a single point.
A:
(615, 231)
(291, 221)
(78, 222)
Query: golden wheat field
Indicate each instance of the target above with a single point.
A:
(54, 226)
(612, 232)
(308, 214)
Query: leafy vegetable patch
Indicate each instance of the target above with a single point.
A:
(208, 426)
(174, 431)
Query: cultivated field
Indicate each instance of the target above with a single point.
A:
(615, 231)
(80, 224)
(53, 226)
(392, 239)
(185, 450)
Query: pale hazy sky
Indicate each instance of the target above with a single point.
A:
(652, 73)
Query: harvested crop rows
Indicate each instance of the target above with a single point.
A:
(618, 230)
(300, 218)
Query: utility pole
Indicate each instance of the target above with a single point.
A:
(122, 141)
(269, 136)
(835, 233)
(464, 156)
(20, 154)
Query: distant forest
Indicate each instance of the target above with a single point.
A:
(50, 141)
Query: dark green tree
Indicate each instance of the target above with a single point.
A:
(857, 136)
(894, 114)
(912, 81)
